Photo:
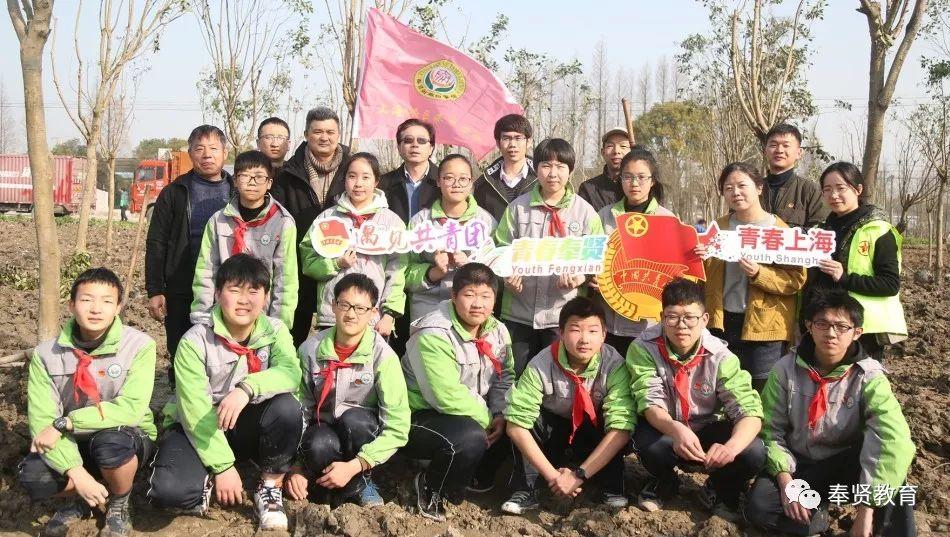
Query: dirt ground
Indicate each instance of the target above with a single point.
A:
(919, 371)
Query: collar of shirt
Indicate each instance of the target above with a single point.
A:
(409, 179)
(512, 181)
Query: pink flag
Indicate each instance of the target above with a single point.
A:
(407, 74)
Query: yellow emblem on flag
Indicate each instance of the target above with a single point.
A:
(441, 80)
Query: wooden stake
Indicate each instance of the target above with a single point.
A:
(629, 119)
(18, 356)
(135, 247)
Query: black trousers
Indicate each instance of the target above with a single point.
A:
(527, 341)
(267, 433)
(764, 507)
(656, 453)
(756, 357)
(341, 441)
(177, 322)
(108, 448)
(552, 432)
(306, 305)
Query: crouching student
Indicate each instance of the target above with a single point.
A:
(458, 367)
(574, 394)
(832, 420)
(683, 380)
(354, 401)
(88, 395)
(233, 401)
(252, 223)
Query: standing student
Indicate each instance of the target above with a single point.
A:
(354, 400)
(253, 223)
(412, 186)
(605, 189)
(866, 261)
(273, 139)
(360, 202)
(124, 203)
(233, 401)
(530, 304)
(88, 394)
(685, 382)
(794, 199)
(512, 174)
(751, 305)
(429, 275)
(574, 394)
(458, 367)
(832, 420)
(642, 193)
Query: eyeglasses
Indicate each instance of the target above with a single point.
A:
(418, 139)
(344, 307)
(827, 191)
(279, 138)
(675, 320)
(252, 179)
(515, 139)
(639, 179)
(839, 328)
(459, 181)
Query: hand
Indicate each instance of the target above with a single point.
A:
(863, 522)
(295, 484)
(793, 510)
(385, 325)
(458, 259)
(831, 268)
(701, 250)
(496, 429)
(568, 281)
(566, 484)
(228, 487)
(594, 284)
(347, 260)
(338, 474)
(751, 268)
(46, 440)
(156, 308)
(230, 408)
(87, 488)
(686, 444)
(514, 283)
(719, 455)
(440, 266)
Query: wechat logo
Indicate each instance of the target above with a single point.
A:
(798, 490)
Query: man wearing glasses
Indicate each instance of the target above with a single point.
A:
(413, 185)
(273, 139)
(513, 173)
(604, 189)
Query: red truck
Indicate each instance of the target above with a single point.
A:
(152, 175)
(16, 183)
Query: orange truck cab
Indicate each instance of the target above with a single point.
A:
(152, 175)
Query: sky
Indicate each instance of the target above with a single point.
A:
(635, 32)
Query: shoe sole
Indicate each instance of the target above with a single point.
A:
(517, 509)
(650, 506)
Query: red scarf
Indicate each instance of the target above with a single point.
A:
(253, 362)
(329, 373)
(582, 404)
(84, 382)
(484, 349)
(239, 246)
(358, 219)
(681, 380)
(555, 225)
(819, 402)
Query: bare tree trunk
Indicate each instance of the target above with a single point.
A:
(930, 240)
(111, 216)
(89, 184)
(938, 272)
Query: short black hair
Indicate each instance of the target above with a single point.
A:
(513, 123)
(683, 292)
(834, 299)
(849, 172)
(96, 275)
(639, 153)
(252, 159)
(557, 149)
(784, 128)
(273, 121)
(321, 113)
(455, 156)
(369, 158)
(206, 131)
(473, 274)
(742, 167)
(361, 282)
(582, 307)
(242, 269)
(413, 122)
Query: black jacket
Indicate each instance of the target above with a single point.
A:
(393, 184)
(490, 189)
(600, 191)
(169, 267)
(292, 189)
(797, 202)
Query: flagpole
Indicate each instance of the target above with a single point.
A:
(354, 129)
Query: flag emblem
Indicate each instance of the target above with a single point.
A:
(441, 80)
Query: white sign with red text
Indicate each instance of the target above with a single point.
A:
(774, 245)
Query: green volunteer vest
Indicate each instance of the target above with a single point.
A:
(882, 314)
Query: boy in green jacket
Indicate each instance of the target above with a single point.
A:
(833, 423)
(575, 393)
(88, 395)
(236, 375)
(354, 400)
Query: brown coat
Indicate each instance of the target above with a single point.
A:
(772, 297)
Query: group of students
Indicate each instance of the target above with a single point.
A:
(557, 381)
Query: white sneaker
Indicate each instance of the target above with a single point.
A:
(269, 503)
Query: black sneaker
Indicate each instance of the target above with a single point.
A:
(58, 525)
(480, 486)
(118, 520)
(717, 506)
(521, 502)
(655, 492)
(428, 501)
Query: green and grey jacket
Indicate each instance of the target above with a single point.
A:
(388, 271)
(540, 300)
(274, 243)
(426, 295)
(861, 410)
(445, 372)
(544, 385)
(617, 324)
(124, 369)
(206, 371)
(373, 382)
(717, 384)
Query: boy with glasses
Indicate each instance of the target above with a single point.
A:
(683, 380)
(512, 174)
(273, 139)
(252, 223)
